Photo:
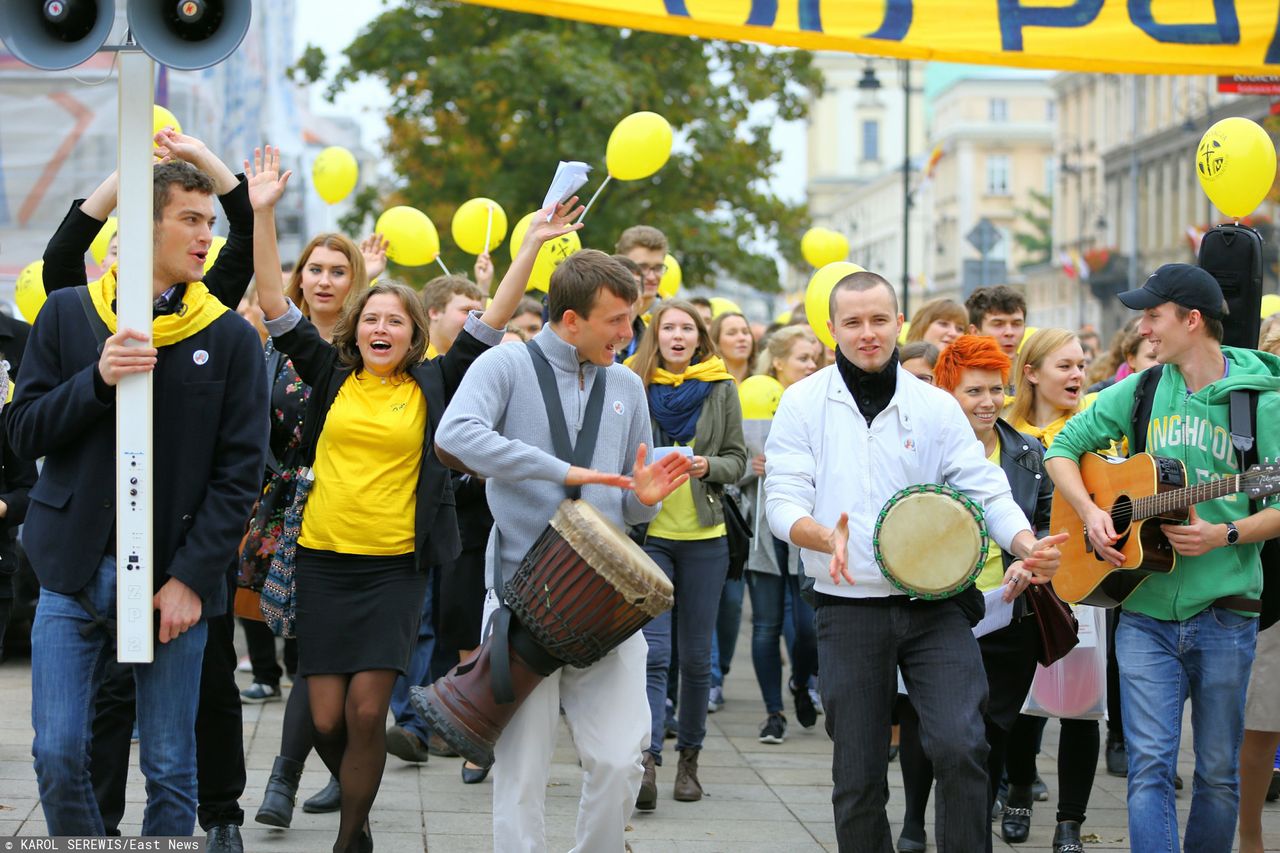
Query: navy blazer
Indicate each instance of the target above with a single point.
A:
(436, 540)
(209, 450)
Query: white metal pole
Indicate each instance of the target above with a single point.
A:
(133, 395)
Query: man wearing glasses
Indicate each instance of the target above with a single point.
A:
(646, 246)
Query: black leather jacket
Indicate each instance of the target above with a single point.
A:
(1022, 460)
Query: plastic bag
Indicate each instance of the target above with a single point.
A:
(1075, 687)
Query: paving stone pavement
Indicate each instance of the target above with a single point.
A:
(759, 797)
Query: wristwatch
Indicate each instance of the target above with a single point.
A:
(1233, 535)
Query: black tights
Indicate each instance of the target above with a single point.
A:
(350, 713)
(298, 734)
(1077, 761)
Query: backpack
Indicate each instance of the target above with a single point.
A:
(1243, 427)
(1232, 254)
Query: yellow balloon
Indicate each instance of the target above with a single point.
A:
(817, 298)
(471, 222)
(671, 279)
(29, 293)
(1270, 304)
(906, 327)
(550, 256)
(98, 248)
(1026, 335)
(1236, 165)
(784, 318)
(639, 146)
(411, 237)
(759, 396)
(720, 305)
(822, 246)
(334, 173)
(160, 119)
(214, 248)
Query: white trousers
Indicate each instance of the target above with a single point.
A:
(607, 710)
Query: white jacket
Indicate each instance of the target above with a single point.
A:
(822, 459)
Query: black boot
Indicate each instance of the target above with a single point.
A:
(328, 799)
(1015, 825)
(1066, 838)
(281, 793)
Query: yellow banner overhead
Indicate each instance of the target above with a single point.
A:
(1133, 36)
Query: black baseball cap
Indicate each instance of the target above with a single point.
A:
(1182, 284)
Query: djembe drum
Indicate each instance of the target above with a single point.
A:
(583, 588)
(930, 541)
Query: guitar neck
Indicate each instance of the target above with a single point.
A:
(1166, 502)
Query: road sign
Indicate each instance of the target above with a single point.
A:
(984, 236)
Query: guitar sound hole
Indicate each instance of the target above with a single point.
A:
(1122, 514)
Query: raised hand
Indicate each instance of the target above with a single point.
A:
(839, 541)
(541, 230)
(484, 272)
(374, 250)
(589, 476)
(172, 145)
(266, 184)
(652, 483)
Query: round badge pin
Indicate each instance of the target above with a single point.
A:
(200, 356)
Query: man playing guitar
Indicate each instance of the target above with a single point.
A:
(1190, 631)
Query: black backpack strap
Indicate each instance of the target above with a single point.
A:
(274, 359)
(1144, 399)
(1243, 414)
(99, 328)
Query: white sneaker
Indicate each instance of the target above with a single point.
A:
(244, 665)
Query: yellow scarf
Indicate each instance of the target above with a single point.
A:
(711, 370)
(198, 310)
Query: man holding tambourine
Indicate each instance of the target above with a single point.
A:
(877, 433)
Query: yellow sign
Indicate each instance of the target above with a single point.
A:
(1134, 36)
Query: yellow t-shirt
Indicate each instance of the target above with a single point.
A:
(678, 519)
(367, 465)
(993, 569)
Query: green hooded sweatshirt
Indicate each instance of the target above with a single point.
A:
(1193, 428)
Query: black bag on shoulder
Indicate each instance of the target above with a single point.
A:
(1243, 425)
(1233, 255)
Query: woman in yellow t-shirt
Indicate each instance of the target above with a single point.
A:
(1050, 382)
(380, 516)
(693, 402)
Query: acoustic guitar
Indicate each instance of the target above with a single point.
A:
(1141, 494)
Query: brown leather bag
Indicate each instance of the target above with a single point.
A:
(1057, 624)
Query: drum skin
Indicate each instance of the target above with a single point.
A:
(930, 541)
(583, 588)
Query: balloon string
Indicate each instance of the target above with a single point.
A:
(488, 228)
(442, 266)
(596, 195)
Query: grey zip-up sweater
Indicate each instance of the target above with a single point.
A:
(496, 425)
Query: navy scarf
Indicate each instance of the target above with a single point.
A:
(676, 407)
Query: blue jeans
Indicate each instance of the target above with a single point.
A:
(1207, 658)
(66, 670)
(728, 620)
(697, 570)
(418, 675)
(769, 595)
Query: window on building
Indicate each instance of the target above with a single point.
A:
(997, 174)
(999, 109)
(870, 139)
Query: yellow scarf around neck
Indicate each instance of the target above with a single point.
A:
(710, 370)
(198, 310)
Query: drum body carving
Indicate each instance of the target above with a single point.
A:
(583, 588)
(930, 541)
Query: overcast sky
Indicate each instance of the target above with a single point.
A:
(317, 22)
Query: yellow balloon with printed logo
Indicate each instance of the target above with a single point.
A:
(334, 174)
(471, 222)
(720, 305)
(214, 248)
(29, 293)
(817, 298)
(1236, 165)
(671, 279)
(550, 256)
(639, 146)
(411, 237)
(1270, 304)
(160, 119)
(822, 246)
(759, 396)
(98, 248)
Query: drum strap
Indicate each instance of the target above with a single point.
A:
(565, 450)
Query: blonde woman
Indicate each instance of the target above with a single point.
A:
(939, 322)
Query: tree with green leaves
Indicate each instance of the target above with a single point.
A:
(486, 102)
(1037, 243)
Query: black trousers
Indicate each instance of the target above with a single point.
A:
(220, 772)
(859, 648)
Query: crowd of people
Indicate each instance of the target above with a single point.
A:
(401, 459)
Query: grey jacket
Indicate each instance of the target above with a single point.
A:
(718, 437)
(496, 425)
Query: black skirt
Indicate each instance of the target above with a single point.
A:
(357, 613)
(1009, 656)
(461, 602)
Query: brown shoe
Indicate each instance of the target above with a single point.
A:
(437, 745)
(688, 789)
(647, 799)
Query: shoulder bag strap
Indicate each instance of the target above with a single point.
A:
(99, 328)
(1143, 401)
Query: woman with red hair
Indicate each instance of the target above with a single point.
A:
(974, 370)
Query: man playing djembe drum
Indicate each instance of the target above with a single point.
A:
(845, 441)
(498, 427)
